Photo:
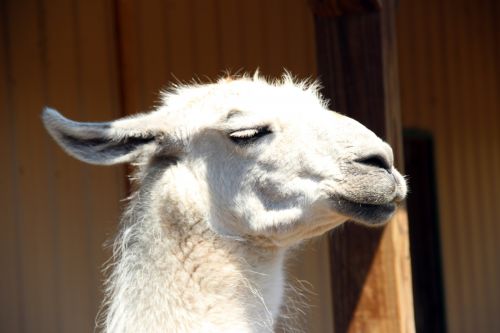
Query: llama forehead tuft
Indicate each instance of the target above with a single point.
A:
(250, 93)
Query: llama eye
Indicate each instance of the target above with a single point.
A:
(246, 136)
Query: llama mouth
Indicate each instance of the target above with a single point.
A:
(370, 214)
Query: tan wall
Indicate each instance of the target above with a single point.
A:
(56, 212)
(162, 41)
(450, 84)
(95, 61)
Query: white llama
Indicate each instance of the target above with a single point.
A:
(229, 175)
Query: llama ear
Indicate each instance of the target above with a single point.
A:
(105, 143)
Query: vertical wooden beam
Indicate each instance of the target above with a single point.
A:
(357, 63)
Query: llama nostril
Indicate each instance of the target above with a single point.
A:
(377, 161)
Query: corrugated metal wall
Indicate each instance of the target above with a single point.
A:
(56, 212)
(450, 85)
(96, 60)
(164, 40)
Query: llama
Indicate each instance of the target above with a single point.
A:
(229, 175)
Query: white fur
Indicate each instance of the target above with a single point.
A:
(203, 240)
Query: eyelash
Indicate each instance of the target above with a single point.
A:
(247, 136)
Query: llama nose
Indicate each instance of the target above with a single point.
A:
(375, 160)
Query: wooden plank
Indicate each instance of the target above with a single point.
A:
(152, 52)
(229, 27)
(456, 297)
(10, 279)
(69, 176)
(494, 118)
(128, 53)
(181, 39)
(463, 139)
(274, 37)
(473, 133)
(490, 143)
(33, 203)
(370, 267)
(485, 88)
(299, 45)
(252, 35)
(435, 108)
(206, 39)
(78, 80)
(409, 63)
(99, 99)
(267, 35)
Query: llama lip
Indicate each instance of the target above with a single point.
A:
(372, 214)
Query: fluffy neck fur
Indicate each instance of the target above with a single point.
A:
(172, 273)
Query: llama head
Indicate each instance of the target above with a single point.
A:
(254, 158)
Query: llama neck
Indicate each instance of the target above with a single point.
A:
(177, 275)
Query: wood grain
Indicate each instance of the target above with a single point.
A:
(371, 273)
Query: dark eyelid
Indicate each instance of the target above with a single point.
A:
(261, 131)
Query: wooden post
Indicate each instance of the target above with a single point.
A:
(357, 64)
